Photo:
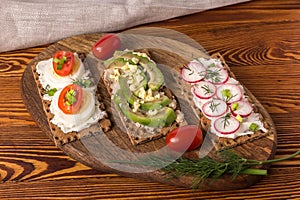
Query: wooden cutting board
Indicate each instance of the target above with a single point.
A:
(165, 45)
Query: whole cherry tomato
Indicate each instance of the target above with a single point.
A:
(63, 62)
(106, 46)
(185, 138)
(70, 99)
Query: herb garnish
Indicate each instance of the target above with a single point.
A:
(49, 91)
(235, 106)
(225, 120)
(71, 97)
(213, 106)
(253, 127)
(228, 162)
(60, 62)
(213, 75)
(191, 71)
(202, 73)
(83, 83)
(207, 89)
(227, 94)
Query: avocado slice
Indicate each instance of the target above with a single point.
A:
(156, 104)
(164, 117)
(138, 84)
(128, 95)
(156, 78)
(148, 105)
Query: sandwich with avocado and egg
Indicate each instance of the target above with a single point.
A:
(146, 107)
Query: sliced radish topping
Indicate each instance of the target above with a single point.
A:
(242, 108)
(216, 75)
(214, 108)
(229, 93)
(204, 89)
(226, 124)
(193, 72)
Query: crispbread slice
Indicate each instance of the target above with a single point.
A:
(59, 137)
(225, 143)
(139, 134)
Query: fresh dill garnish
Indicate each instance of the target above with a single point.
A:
(213, 75)
(207, 89)
(191, 71)
(225, 120)
(202, 73)
(225, 162)
(213, 106)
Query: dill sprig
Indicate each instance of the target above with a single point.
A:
(188, 68)
(227, 162)
(213, 75)
(207, 89)
(225, 120)
(213, 106)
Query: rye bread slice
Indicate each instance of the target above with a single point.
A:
(59, 137)
(225, 143)
(137, 133)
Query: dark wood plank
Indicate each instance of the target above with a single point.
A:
(85, 150)
(273, 47)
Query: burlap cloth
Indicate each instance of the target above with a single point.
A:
(26, 23)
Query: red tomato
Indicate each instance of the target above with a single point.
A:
(70, 98)
(185, 138)
(106, 46)
(63, 62)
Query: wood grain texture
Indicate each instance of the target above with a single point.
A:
(259, 36)
(172, 55)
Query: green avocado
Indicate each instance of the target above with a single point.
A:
(148, 105)
(138, 84)
(164, 117)
(124, 87)
(156, 104)
(155, 76)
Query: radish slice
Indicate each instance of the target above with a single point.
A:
(229, 93)
(214, 108)
(216, 75)
(226, 124)
(204, 89)
(193, 72)
(244, 108)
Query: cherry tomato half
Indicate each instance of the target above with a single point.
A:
(106, 46)
(70, 99)
(63, 62)
(185, 138)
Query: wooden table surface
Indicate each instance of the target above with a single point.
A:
(260, 40)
